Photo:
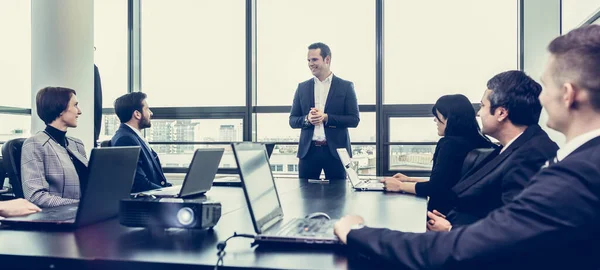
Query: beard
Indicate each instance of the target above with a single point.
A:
(145, 123)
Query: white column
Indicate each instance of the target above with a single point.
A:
(541, 25)
(62, 54)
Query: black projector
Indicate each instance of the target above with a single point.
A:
(194, 213)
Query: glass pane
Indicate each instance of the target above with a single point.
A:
(14, 126)
(285, 155)
(454, 47)
(195, 130)
(574, 12)
(193, 52)
(415, 129)
(365, 132)
(286, 28)
(110, 40)
(110, 124)
(15, 53)
(180, 156)
(274, 127)
(411, 157)
(365, 156)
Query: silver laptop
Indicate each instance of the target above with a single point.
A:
(264, 205)
(110, 177)
(372, 184)
(199, 178)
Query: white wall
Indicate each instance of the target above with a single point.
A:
(62, 54)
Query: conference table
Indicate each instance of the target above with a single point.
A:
(109, 245)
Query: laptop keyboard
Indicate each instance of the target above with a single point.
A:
(66, 212)
(371, 184)
(308, 228)
(168, 191)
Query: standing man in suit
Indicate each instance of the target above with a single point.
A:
(553, 223)
(324, 107)
(134, 114)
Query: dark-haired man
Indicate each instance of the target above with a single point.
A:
(553, 223)
(324, 107)
(134, 114)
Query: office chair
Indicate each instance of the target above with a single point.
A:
(106, 143)
(11, 155)
(2, 176)
(473, 159)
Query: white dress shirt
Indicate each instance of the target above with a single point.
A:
(576, 143)
(321, 92)
(139, 133)
(504, 147)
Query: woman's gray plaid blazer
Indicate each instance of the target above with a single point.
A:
(48, 175)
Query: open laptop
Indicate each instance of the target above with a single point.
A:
(264, 205)
(357, 183)
(234, 180)
(199, 178)
(111, 171)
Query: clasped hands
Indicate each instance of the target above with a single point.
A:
(316, 117)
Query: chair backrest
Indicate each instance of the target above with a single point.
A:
(473, 158)
(11, 159)
(2, 174)
(106, 143)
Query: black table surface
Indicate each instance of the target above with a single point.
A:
(108, 245)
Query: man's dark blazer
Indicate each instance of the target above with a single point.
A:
(149, 174)
(342, 110)
(496, 182)
(552, 224)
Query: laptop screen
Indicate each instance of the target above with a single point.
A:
(258, 183)
(346, 162)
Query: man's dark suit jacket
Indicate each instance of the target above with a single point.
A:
(149, 174)
(552, 224)
(496, 182)
(342, 110)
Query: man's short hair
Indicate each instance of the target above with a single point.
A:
(52, 101)
(126, 104)
(577, 59)
(517, 93)
(325, 51)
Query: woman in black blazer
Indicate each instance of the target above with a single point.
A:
(456, 123)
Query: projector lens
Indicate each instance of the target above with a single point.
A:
(185, 216)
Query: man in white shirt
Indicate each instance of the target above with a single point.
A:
(324, 107)
(553, 223)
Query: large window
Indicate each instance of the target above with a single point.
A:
(286, 28)
(574, 12)
(15, 53)
(434, 48)
(14, 126)
(193, 52)
(110, 41)
(195, 130)
(413, 129)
